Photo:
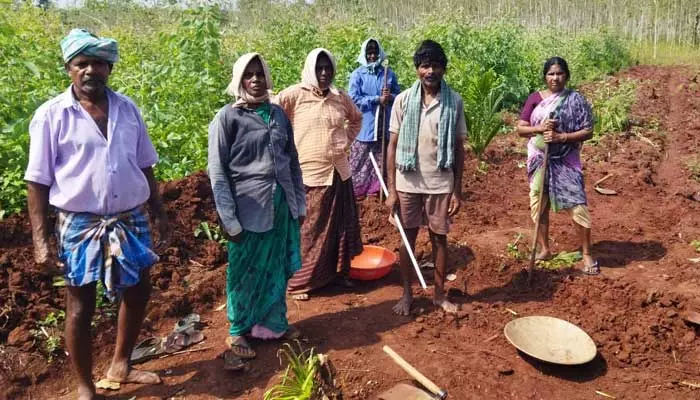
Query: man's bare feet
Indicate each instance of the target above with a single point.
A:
(126, 374)
(403, 307)
(447, 306)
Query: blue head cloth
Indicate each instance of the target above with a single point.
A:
(80, 41)
(362, 58)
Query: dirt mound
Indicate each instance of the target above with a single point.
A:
(189, 273)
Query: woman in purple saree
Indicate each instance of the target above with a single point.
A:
(563, 119)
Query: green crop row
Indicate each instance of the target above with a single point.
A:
(175, 64)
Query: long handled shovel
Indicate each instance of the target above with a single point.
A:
(385, 64)
(398, 225)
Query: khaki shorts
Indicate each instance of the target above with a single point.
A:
(420, 209)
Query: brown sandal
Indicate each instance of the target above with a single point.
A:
(240, 347)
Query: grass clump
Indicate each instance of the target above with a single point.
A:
(308, 376)
(612, 102)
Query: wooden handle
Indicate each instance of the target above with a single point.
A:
(415, 374)
(605, 178)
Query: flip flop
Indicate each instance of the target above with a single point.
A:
(593, 269)
(232, 362)
(186, 323)
(147, 349)
(242, 350)
(177, 341)
(300, 296)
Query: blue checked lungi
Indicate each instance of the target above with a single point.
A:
(114, 249)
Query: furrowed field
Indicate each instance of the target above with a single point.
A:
(176, 64)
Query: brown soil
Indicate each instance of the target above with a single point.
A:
(632, 311)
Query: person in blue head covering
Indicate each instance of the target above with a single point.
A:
(374, 98)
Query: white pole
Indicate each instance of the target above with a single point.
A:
(398, 224)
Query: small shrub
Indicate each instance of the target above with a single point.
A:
(611, 107)
(693, 166)
(482, 102)
(211, 232)
(298, 380)
(513, 248)
(696, 245)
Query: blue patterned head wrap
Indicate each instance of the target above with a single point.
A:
(80, 41)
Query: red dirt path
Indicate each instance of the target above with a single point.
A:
(632, 311)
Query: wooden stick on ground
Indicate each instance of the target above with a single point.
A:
(184, 351)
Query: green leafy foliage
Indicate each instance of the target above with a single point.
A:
(561, 260)
(482, 100)
(696, 245)
(48, 332)
(210, 232)
(513, 248)
(693, 166)
(176, 63)
(611, 104)
(298, 380)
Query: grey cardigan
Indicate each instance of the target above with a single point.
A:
(247, 158)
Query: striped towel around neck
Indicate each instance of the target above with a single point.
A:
(408, 134)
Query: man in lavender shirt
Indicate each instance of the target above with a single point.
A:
(91, 159)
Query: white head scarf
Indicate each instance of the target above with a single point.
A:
(362, 58)
(235, 88)
(308, 74)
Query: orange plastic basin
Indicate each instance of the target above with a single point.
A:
(373, 263)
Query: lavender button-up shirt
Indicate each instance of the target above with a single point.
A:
(85, 171)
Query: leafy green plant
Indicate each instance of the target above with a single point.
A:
(693, 166)
(101, 301)
(212, 232)
(561, 260)
(53, 319)
(696, 245)
(611, 107)
(298, 382)
(483, 167)
(48, 332)
(513, 248)
(482, 102)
